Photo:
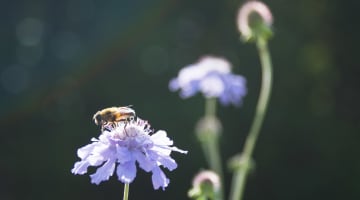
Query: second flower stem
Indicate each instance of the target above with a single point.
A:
(210, 107)
(211, 145)
(263, 98)
(241, 173)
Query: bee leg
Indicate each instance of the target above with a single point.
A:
(126, 123)
(125, 129)
(107, 129)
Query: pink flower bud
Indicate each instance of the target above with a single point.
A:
(243, 18)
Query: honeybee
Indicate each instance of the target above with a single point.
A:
(111, 116)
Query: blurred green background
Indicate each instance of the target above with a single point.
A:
(61, 61)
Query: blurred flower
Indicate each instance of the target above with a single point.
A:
(213, 78)
(121, 147)
(205, 184)
(247, 24)
(207, 176)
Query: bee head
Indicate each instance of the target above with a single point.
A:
(132, 118)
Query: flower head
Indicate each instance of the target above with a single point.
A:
(123, 148)
(213, 78)
(205, 184)
(207, 176)
(246, 24)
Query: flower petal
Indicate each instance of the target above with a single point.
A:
(85, 151)
(164, 160)
(126, 172)
(145, 162)
(160, 138)
(168, 162)
(80, 167)
(95, 160)
(104, 172)
(235, 89)
(212, 86)
(123, 154)
(174, 84)
(189, 89)
(159, 179)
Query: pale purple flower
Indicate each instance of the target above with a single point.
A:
(125, 147)
(212, 77)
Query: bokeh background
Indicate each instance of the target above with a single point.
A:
(61, 61)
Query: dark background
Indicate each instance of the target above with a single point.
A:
(61, 61)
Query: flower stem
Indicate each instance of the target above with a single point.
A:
(211, 144)
(210, 107)
(215, 165)
(214, 157)
(241, 173)
(126, 191)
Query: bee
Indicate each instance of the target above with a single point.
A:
(113, 115)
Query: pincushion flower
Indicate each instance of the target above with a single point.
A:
(212, 77)
(123, 148)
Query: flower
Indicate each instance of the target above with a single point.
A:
(205, 184)
(120, 148)
(244, 20)
(213, 78)
(207, 176)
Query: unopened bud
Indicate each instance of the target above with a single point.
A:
(205, 184)
(247, 20)
(208, 127)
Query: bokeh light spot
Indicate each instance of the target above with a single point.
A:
(30, 31)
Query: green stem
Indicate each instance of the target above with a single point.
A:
(210, 107)
(240, 175)
(215, 164)
(211, 145)
(126, 191)
(237, 185)
(210, 111)
(214, 157)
